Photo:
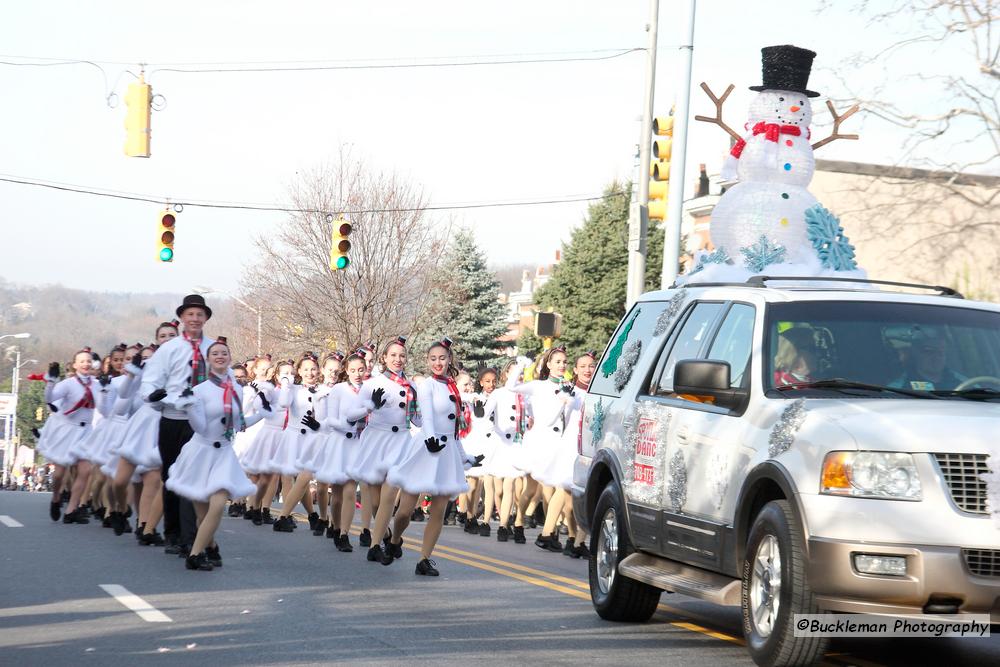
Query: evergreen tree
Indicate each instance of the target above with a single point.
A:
(473, 316)
(588, 286)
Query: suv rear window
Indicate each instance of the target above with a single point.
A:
(636, 326)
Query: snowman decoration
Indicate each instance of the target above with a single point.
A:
(768, 222)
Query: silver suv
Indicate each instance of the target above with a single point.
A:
(792, 447)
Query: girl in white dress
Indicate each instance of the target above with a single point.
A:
(549, 397)
(559, 471)
(391, 400)
(436, 463)
(71, 406)
(207, 472)
(139, 451)
(328, 515)
(483, 440)
(344, 415)
(510, 420)
(296, 452)
(260, 452)
(475, 443)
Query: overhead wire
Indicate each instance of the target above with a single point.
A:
(275, 208)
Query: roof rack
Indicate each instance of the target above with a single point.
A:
(760, 281)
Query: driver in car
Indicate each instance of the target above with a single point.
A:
(927, 366)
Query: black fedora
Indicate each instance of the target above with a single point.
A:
(786, 67)
(194, 301)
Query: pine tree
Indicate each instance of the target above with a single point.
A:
(473, 316)
(588, 285)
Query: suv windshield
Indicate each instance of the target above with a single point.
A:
(880, 349)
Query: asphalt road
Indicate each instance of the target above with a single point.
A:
(292, 599)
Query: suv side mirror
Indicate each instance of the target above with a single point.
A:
(708, 381)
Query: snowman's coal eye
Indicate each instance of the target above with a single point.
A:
(802, 102)
(781, 99)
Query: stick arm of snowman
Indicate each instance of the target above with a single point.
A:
(837, 120)
(718, 101)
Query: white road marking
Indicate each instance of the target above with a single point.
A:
(145, 611)
(10, 522)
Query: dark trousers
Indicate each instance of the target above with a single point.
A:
(180, 523)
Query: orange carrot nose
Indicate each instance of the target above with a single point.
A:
(794, 109)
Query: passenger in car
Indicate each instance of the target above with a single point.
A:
(927, 365)
(796, 357)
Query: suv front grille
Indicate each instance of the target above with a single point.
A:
(962, 474)
(982, 562)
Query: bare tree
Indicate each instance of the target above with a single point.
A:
(384, 291)
(950, 206)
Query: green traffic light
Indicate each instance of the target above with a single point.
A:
(166, 255)
(342, 262)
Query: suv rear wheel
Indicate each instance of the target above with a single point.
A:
(775, 589)
(616, 598)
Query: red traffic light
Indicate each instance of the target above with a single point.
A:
(344, 229)
(168, 220)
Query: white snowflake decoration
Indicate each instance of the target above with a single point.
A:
(626, 364)
(992, 479)
(669, 313)
(717, 256)
(677, 486)
(718, 473)
(763, 253)
(783, 434)
(827, 237)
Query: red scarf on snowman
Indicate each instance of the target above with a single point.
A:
(771, 132)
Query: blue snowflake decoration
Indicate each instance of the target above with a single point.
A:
(597, 422)
(827, 237)
(717, 256)
(762, 253)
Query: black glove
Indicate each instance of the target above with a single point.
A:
(52, 408)
(157, 395)
(310, 421)
(433, 445)
(137, 360)
(104, 379)
(264, 403)
(378, 397)
(479, 460)
(568, 388)
(478, 408)
(253, 385)
(54, 369)
(188, 391)
(35, 433)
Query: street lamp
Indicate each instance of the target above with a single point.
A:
(202, 289)
(17, 335)
(10, 421)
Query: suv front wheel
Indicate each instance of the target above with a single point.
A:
(615, 598)
(775, 589)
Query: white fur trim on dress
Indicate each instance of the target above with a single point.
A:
(437, 474)
(60, 439)
(141, 443)
(256, 458)
(380, 450)
(201, 470)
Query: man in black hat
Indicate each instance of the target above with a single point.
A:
(169, 375)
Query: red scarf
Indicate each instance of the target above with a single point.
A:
(521, 417)
(456, 397)
(770, 132)
(229, 397)
(199, 371)
(412, 409)
(85, 403)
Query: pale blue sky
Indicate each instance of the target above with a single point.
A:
(466, 134)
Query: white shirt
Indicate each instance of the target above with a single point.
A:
(170, 368)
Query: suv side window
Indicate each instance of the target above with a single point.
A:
(734, 342)
(638, 325)
(688, 343)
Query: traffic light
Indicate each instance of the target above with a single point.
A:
(168, 222)
(659, 170)
(137, 100)
(340, 245)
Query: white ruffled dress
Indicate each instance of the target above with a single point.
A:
(296, 450)
(340, 434)
(386, 439)
(481, 440)
(542, 441)
(63, 433)
(207, 463)
(256, 458)
(439, 473)
(558, 472)
(502, 404)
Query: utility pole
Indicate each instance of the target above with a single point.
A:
(675, 198)
(638, 224)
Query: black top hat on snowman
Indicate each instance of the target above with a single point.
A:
(786, 67)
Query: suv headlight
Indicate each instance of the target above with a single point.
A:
(870, 475)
